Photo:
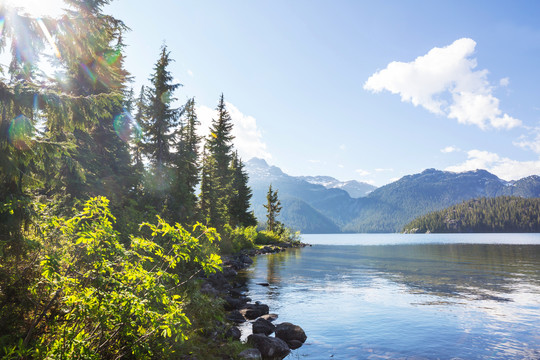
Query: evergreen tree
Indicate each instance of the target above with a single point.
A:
(273, 207)
(90, 48)
(240, 215)
(219, 156)
(211, 206)
(187, 168)
(161, 119)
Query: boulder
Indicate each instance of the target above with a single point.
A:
(254, 354)
(219, 281)
(232, 303)
(269, 317)
(208, 289)
(253, 311)
(262, 326)
(271, 348)
(234, 333)
(236, 317)
(229, 272)
(292, 334)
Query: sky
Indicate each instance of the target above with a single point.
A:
(363, 90)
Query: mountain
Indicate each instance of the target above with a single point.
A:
(354, 188)
(310, 208)
(385, 209)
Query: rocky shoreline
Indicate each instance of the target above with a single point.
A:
(241, 309)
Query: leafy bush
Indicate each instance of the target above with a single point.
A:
(106, 301)
(238, 238)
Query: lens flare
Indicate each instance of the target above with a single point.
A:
(127, 128)
(110, 58)
(166, 97)
(2, 21)
(48, 37)
(21, 132)
(89, 73)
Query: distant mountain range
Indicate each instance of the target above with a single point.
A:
(320, 204)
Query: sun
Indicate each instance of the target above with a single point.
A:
(38, 8)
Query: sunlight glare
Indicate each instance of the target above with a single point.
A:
(38, 8)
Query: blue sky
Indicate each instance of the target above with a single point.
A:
(365, 90)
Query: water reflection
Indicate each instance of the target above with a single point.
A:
(470, 301)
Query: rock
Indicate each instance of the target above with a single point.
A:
(232, 303)
(254, 354)
(236, 317)
(253, 311)
(238, 291)
(229, 272)
(271, 348)
(219, 281)
(208, 289)
(262, 326)
(245, 259)
(263, 284)
(269, 317)
(289, 332)
(294, 344)
(233, 333)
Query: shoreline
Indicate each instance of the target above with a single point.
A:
(267, 339)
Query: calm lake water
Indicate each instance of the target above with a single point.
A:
(396, 296)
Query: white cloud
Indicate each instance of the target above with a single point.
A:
(504, 168)
(342, 147)
(444, 81)
(530, 144)
(384, 170)
(449, 149)
(504, 82)
(362, 172)
(247, 136)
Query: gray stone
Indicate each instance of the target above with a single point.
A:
(233, 333)
(269, 317)
(253, 354)
(289, 332)
(253, 311)
(271, 348)
(262, 326)
(236, 317)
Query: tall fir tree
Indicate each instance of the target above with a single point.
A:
(161, 119)
(187, 169)
(239, 208)
(273, 208)
(219, 154)
(211, 210)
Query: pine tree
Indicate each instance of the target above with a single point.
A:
(161, 119)
(273, 208)
(219, 155)
(240, 215)
(187, 168)
(211, 210)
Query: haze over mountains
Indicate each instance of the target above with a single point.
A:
(320, 204)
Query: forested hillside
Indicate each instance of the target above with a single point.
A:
(500, 214)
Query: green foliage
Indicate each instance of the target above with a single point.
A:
(238, 238)
(500, 214)
(108, 301)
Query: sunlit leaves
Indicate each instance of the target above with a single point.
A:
(111, 295)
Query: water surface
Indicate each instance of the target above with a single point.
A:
(397, 296)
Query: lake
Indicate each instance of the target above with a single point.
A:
(398, 296)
